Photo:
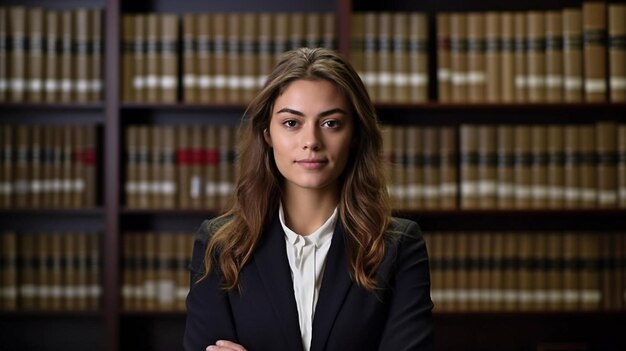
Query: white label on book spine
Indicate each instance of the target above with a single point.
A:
(618, 83)
(469, 188)
(82, 85)
(96, 85)
(522, 192)
(588, 195)
(51, 85)
(66, 85)
(181, 293)
(573, 83)
(35, 85)
(131, 187)
(400, 79)
(219, 81)
(414, 191)
(486, 187)
(79, 185)
(248, 82)
(166, 291)
(418, 79)
(6, 188)
(195, 187)
(520, 81)
(448, 189)
(3, 84)
(36, 186)
(385, 78)
(233, 82)
(505, 190)
(168, 188)
(17, 84)
(458, 78)
(204, 82)
(8, 292)
(534, 81)
(554, 81)
(211, 189)
(224, 188)
(370, 79)
(152, 81)
(261, 80)
(168, 82)
(595, 85)
(443, 74)
(476, 77)
(190, 80)
(572, 194)
(431, 191)
(607, 197)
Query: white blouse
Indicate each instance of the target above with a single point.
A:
(307, 259)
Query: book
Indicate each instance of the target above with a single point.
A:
(571, 166)
(469, 166)
(432, 166)
(448, 190)
(572, 55)
(17, 53)
(4, 54)
(168, 80)
(487, 167)
(536, 56)
(539, 166)
(384, 56)
(617, 51)
(495, 77)
(476, 59)
(594, 49)
(505, 180)
(520, 37)
(554, 56)
(418, 57)
(35, 55)
(128, 36)
(82, 37)
(458, 56)
(443, 57)
(556, 164)
(522, 161)
(606, 150)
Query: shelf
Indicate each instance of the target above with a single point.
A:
(51, 314)
(79, 106)
(183, 106)
(95, 211)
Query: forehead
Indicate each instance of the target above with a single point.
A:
(311, 93)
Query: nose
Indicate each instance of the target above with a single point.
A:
(311, 140)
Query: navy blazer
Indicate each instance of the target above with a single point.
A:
(264, 315)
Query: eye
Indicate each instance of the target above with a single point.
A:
(290, 123)
(331, 123)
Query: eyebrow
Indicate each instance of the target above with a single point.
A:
(321, 114)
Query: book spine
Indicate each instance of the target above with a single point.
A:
(617, 52)
(505, 166)
(264, 48)
(155, 188)
(399, 193)
(556, 165)
(495, 77)
(35, 57)
(507, 57)
(128, 36)
(432, 166)
(469, 166)
(554, 57)
(67, 58)
(190, 56)
(4, 54)
(536, 56)
(522, 159)
(487, 167)
(594, 48)
(572, 55)
(220, 58)
(418, 57)
(196, 176)
(588, 166)
(571, 166)
(448, 168)
(96, 78)
(234, 36)
(250, 54)
(35, 158)
(168, 52)
(520, 37)
(606, 144)
(17, 78)
(621, 165)
(204, 52)
(370, 54)
(443, 57)
(8, 271)
(539, 166)
(414, 167)
(153, 58)
(400, 57)
(82, 66)
(139, 58)
(384, 53)
(458, 56)
(476, 71)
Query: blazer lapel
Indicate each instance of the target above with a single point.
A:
(335, 285)
(270, 259)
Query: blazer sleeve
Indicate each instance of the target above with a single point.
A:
(209, 315)
(409, 325)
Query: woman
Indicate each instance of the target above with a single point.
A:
(308, 257)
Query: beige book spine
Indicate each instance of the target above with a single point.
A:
(153, 60)
(211, 166)
(571, 166)
(595, 51)
(182, 272)
(43, 272)
(357, 42)
(22, 181)
(126, 275)
(131, 187)
(234, 37)
(487, 167)
(621, 165)
(9, 272)
(371, 61)
(476, 70)
(539, 166)
(183, 157)
(539, 272)
(554, 56)
(617, 52)
(70, 282)
(414, 167)
(196, 176)
(434, 247)
(432, 167)
(606, 148)
(57, 166)
(281, 32)
(496, 281)
(386, 131)
(17, 55)
(165, 272)
(35, 160)
(95, 272)
(443, 57)
(384, 54)
(485, 268)
(297, 30)
(35, 65)
(606, 270)
(511, 271)
(419, 81)
(448, 188)
(588, 166)
(4, 54)
(313, 29)
(400, 57)
(150, 284)
(67, 58)
(82, 270)
(556, 170)
(571, 277)
(507, 57)
(46, 167)
(190, 56)
(82, 65)
(56, 282)
(67, 166)
(590, 294)
(96, 77)
(6, 166)
(265, 41)
(525, 281)
(505, 166)
(168, 73)
(473, 270)
(90, 161)
(449, 258)
(458, 57)
(143, 167)
(128, 36)
(462, 276)
(521, 50)
(572, 55)
(536, 56)
(27, 274)
(398, 195)
(139, 58)
(522, 166)
(329, 31)
(493, 57)
(168, 164)
(137, 273)
(226, 165)
(204, 61)
(249, 56)
(221, 62)
(155, 182)
(469, 166)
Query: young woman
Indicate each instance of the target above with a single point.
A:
(309, 257)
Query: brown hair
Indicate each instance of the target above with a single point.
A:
(364, 208)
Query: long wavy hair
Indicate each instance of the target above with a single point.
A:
(364, 207)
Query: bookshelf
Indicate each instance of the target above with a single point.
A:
(112, 328)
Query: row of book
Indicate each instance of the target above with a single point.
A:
(50, 271)
(48, 166)
(49, 55)
(155, 270)
(225, 57)
(543, 166)
(183, 166)
(527, 271)
(390, 52)
(569, 55)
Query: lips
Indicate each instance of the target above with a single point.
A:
(312, 163)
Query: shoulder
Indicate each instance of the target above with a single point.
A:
(209, 227)
(401, 229)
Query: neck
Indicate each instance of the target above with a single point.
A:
(306, 210)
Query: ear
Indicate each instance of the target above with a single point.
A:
(267, 137)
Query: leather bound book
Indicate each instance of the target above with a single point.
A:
(556, 175)
(212, 154)
(357, 42)
(443, 57)
(370, 54)
(387, 157)
(595, 51)
(571, 276)
(183, 162)
(493, 57)
(419, 80)
(226, 167)
(448, 189)
(432, 166)
(196, 176)
(313, 29)
(143, 167)
(139, 58)
(458, 57)
(153, 62)
(462, 274)
(281, 36)
(70, 281)
(150, 275)
(400, 57)
(329, 31)
(155, 187)
(621, 165)
(539, 166)
(27, 273)
(52, 83)
(617, 52)
(132, 162)
(168, 164)
(8, 271)
(589, 254)
(191, 73)
(234, 36)
(384, 55)
(165, 272)
(17, 53)
(487, 167)
(67, 57)
(399, 194)
(588, 166)
(6, 165)
(82, 64)
(507, 57)
(476, 70)
(297, 29)
(414, 161)
(67, 164)
(522, 166)
(554, 271)
(221, 69)
(249, 57)
(473, 270)
(4, 54)
(521, 51)
(56, 287)
(505, 184)
(469, 166)
(35, 158)
(606, 144)
(554, 56)
(204, 60)
(265, 40)
(512, 271)
(571, 166)
(572, 55)
(128, 36)
(97, 55)
(21, 183)
(168, 52)
(496, 275)
(536, 56)
(449, 265)
(35, 55)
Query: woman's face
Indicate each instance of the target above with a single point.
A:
(310, 134)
